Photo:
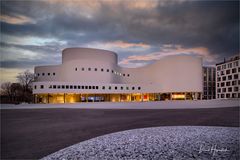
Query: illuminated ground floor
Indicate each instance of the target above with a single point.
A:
(133, 97)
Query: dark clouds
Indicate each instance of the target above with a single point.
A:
(210, 24)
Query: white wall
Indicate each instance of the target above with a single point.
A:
(179, 73)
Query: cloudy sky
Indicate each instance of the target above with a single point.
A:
(35, 32)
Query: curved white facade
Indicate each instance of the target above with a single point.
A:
(95, 71)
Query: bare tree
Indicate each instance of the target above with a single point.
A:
(16, 91)
(25, 79)
(6, 90)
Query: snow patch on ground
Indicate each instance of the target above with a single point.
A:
(177, 142)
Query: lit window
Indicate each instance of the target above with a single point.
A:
(178, 96)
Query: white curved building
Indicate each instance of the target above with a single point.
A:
(94, 75)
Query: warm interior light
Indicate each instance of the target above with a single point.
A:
(178, 96)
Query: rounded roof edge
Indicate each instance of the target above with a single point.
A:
(86, 48)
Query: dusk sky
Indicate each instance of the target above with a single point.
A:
(35, 32)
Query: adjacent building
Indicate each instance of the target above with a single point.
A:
(209, 82)
(228, 73)
(90, 75)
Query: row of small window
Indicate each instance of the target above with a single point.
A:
(229, 89)
(86, 87)
(234, 70)
(229, 65)
(209, 78)
(209, 88)
(209, 71)
(102, 70)
(224, 78)
(49, 74)
(209, 84)
(234, 83)
(209, 97)
(228, 95)
(208, 93)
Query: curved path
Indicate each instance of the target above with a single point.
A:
(177, 142)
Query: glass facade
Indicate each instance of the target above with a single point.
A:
(133, 97)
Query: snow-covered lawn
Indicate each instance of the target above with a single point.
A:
(134, 105)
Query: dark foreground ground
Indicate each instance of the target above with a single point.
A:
(35, 133)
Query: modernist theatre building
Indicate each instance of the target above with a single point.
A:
(90, 75)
